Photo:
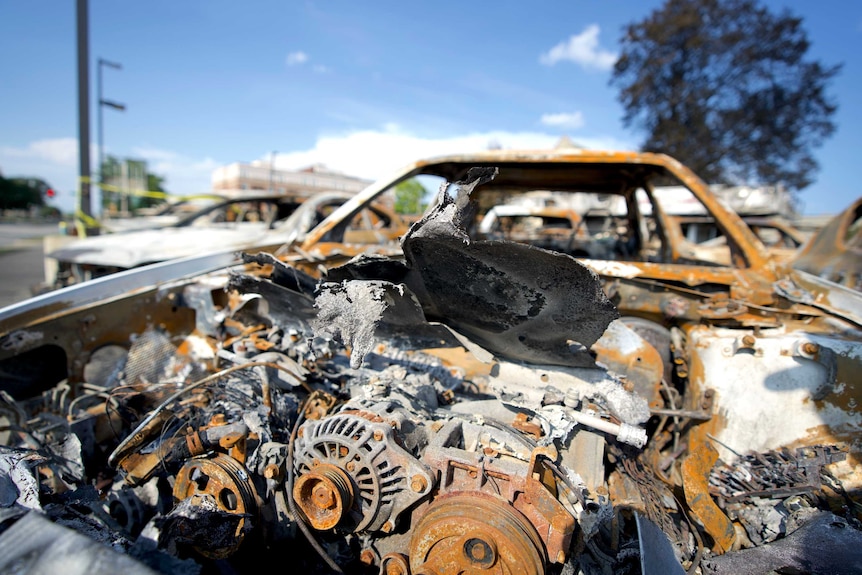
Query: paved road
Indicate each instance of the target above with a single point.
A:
(21, 265)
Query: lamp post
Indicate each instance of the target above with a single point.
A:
(102, 103)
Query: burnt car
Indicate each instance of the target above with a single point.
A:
(835, 252)
(445, 403)
(781, 239)
(240, 223)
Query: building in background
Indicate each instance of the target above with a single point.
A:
(261, 177)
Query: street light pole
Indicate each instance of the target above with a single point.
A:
(102, 103)
(83, 45)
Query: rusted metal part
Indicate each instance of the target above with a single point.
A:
(774, 473)
(324, 494)
(395, 564)
(472, 534)
(109, 323)
(546, 514)
(799, 399)
(453, 168)
(532, 491)
(319, 404)
(230, 486)
(625, 353)
(835, 252)
(139, 467)
(695, 477)
(522, 423)
(381, 473)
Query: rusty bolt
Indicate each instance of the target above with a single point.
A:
(748, 340)
(378, 435)
(393, 568)
(418, 484)
(367, 556)
(810, 348)
(323, 496)
(218, 419)
(229, 440)
(350, 466)
(388, 527)
(272, 471)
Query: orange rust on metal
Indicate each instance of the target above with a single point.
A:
(394, 564)
(539, 504)
(238, 449)
(643, 366)
(245, 331)
(748, 246)
(228, 483)
(318, 404)
(625, 492)
(272, 471)
(136, 441)
(469, 533)
(139, 467)
(695, 479)
(324, 495)
(418, 484)
(522, 424)
(194, 443)
(367, 557)
(463, 359)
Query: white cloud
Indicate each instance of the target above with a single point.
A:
(582, 49)
(61, 151)
(371, 153)
(183, 174)
(374, 153)
(320, 69)
(297, 58)
(563, 120)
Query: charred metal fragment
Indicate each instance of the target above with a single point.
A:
(518, 301)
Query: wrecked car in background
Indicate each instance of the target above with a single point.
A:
(834, 253)
(240, 223)
(445, 403)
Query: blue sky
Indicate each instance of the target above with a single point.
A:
(363, 88)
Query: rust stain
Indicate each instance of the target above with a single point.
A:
(695, 479)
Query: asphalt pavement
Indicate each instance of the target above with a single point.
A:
(21, 259)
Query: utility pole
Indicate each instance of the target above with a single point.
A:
(82, 17)
(102, 104)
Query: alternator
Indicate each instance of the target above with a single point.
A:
(352, 474)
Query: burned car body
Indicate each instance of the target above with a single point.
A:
(449, 402)
(241, 223)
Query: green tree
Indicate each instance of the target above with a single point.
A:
(725, 87)
(408, 197)
(132, 175)
(22, 193)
